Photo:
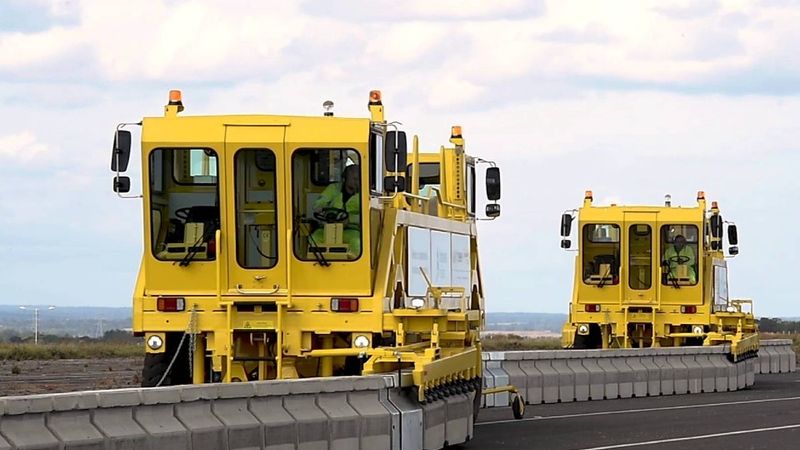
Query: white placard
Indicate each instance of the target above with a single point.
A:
(440, 258)
(419, 255)
(462, 266)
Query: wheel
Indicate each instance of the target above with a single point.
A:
(155, 364)
(518, 407)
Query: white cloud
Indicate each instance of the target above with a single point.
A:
(22, 147)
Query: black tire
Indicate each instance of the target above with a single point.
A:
(155, 364)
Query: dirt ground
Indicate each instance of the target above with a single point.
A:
(68, 375)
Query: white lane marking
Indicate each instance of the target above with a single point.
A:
(693, 438)
(630, 411)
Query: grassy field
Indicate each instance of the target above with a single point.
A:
(69, 350)
(506, 342)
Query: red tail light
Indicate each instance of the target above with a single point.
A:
(688, 309)
(344, 304)
(171, 304)
(592, 308)
(212, 248)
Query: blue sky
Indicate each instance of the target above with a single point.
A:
(632, 99)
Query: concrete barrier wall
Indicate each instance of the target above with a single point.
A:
(551, 376)
(776, 356)
(342, 413)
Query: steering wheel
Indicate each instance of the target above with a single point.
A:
(183, 213)
(331, 215)
(679, 259)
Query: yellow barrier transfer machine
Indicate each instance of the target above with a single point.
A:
(281, 247)
(654, 276)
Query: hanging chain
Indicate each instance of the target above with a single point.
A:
(192, 338)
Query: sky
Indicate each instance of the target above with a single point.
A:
(631, 99)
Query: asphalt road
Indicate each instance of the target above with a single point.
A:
(766, 416)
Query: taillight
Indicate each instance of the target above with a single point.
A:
(171, 304)
(344, 304)
(592, 308)
(688, 309)
(211, 248)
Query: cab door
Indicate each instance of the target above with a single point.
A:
(255, 244)
(641, 271)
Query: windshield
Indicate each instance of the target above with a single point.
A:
(600, 254)
(184, 204)
(679, 255)
(326, 196)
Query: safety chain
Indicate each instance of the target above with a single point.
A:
(191, 331)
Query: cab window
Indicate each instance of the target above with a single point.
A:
(326, 197)
(256, 208)
(184, 204)
(679, 245)
(640, 256)
(429, 178)
(601, 250)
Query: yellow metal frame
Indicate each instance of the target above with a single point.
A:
(277, 322)
(654, 317)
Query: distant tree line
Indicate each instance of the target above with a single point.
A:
(115, 336)
(775, 325)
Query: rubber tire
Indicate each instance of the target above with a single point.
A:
(154, 366)
(518, 407)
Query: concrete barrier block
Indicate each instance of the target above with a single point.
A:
(581, 379)
(434, 422)
(191, 393)
(206, 432)
(516, 376)
(549, 380)
(243, 429)
(312, 423)
(343, 421)
(792, 360)
(119, 398)
(121, 431)
(610, 378)
(458, 414)
(500, 379)
(161, 396)
(666, 373)
(74, 400)
(763, 360)
(680, 373)
(375, 419)
(653, 375)
(279, 427)
(783, 353)
(597, 378)
(707, 372)
(721, 368)
(75, 430)
(774, 359)
(533, 382)
(411, 424)
(487, 401)
(566, 380)
(28, 404)
(694, 372)
(624, 376)
(741, 374)
(639, 372)
(28, 431)
(237, 390)
(164, 430)
(750, 376)
(4, 445)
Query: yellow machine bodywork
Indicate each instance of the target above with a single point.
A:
(237, 279)
(654, 276)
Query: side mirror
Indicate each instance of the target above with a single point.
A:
(733, 235)
(716, 224)
(395, 152)
(566, 226)
(733, 250)
(492, 210)
(493, 183)
(121, 151)
(122, 185)
(394, 184)
(566, 243)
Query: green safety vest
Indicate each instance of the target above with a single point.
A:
(332, 197)
(686, 252)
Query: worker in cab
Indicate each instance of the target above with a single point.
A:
(340, 203)
(680, 254)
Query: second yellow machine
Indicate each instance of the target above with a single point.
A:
(654, 276)
(281, 247)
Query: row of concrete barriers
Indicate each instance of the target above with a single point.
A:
(335, 413)
(551, 376)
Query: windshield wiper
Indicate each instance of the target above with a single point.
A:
(313, 245)
(192, 251)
